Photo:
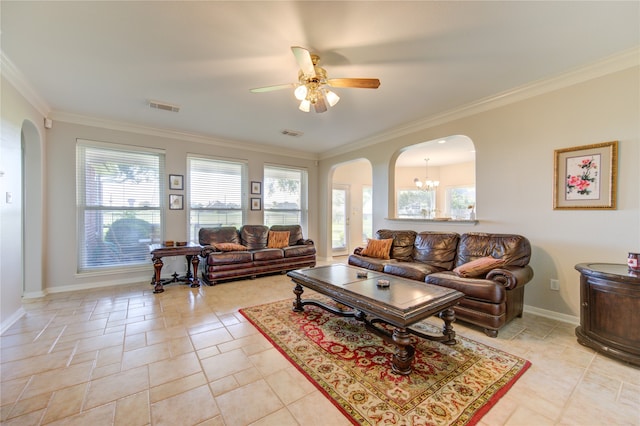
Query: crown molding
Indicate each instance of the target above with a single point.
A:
(17, 79)
(172, 134)
(621, 61)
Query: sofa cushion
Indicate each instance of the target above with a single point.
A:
(478, 268)
(229, 258)
(229, 247)
(295, 232)
(473, 288)
(370, 263)
(436, 248)
(267, 254)
(411, 270)
(402, 247)
(378, 248)
(513, 249)
(221, 234)
(300, 250)
(254, 236)
(278, 239)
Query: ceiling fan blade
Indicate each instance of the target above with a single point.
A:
(272, 88)
(320, 105)
(360, 83)
(303, 57)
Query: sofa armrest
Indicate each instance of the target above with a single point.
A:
(358, 251)
(304, 242)
(511, 276)
(207, 250)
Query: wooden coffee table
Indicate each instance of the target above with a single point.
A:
(403, 303)
(191, 251)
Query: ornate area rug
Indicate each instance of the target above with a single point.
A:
(449, 385)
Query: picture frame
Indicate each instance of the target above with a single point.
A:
(585, 177)
(256, 204)
(176, 202)
(256, 188)
(176, 182)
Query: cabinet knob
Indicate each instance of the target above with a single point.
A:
(585, 304)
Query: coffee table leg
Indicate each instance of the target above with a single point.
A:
(297, 304)
(194, 279)
(157, 266)
(405, 352)
(448, 316)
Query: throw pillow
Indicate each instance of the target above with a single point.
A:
(378, 248)
(278, 239)
(230, 247)
(478, 267)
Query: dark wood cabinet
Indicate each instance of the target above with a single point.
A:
(610, 310)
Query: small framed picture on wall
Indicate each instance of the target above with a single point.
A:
(256, 204)
(176, 202)
(256, 188)
(176, 182)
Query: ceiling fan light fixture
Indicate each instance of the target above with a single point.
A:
(332, 98)
(305, 105)
(301, 92)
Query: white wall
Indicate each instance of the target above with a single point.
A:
(356, 175)
(61, 220)
(17, 114)
(514, 179)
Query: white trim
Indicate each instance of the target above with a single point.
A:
(19, 81)
(12, 319)
(621, 61)
(34, 294)
(569, 319)
(101, 284)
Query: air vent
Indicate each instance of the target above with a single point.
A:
(164, 106)
(293, 133)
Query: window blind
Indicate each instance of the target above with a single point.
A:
(119, 198)
(285, 196)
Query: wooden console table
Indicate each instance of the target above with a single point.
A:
(190, 251)
(610, 310)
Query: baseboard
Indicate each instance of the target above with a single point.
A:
(94, 285)
(570, 319)
(34, 294)
(6, 324)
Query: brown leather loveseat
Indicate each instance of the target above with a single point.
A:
(253, 250)
(490, 269)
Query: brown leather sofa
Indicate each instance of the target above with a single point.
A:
(255, 258)
(491, 299)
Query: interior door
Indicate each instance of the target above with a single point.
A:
(340, 220)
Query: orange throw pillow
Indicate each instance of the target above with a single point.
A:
(230, 247)
(278, 239)
(478, 267)
(378, 248)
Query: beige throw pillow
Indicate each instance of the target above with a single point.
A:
(378, 248)
(478, 267)
(278, 239)
(230, 247)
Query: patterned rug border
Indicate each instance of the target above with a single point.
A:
(351, 415)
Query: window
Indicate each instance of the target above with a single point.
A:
(367, 213)
(417, 204)
(119, 193)
(215, 194)
(285, 196)
(461, 202)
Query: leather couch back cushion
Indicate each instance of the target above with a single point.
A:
(254, 236)
(295, 232)
(222, 234)
(512, 249)
(436, 248)
(402, 247)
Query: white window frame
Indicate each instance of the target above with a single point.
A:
(303, 210)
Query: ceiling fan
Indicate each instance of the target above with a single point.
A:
(312, 81)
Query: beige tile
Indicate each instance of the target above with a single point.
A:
(281, 417)
(159, 336)
(57, 379)
(65, 402)
(133, 410)
(30, 419)
(34, 365)
(176, 387)
(11, 389)
(102, 415)
(235, 409)
(180, 346)
(145, 355)
(29, 405)
(225, 364)
(269, 361)
(187, 408)
(116, 386)
(223, 385)
(317, 410)
(210, 338)
(173, 368)
(290, 385)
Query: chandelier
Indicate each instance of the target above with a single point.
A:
(427, 184)
(311, 90)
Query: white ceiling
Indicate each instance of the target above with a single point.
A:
(108, 59)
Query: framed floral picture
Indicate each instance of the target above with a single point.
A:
(175, 202)
(585, 177)
(256, 188)
(256, 204)
(176, 182)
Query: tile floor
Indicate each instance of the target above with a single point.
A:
(123, 355)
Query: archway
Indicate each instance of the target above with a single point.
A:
(32, 211)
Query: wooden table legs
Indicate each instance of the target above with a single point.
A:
(192, 261)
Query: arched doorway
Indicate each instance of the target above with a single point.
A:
(32, 211)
